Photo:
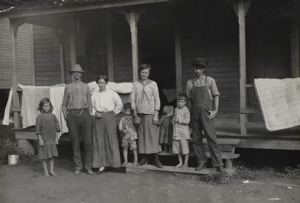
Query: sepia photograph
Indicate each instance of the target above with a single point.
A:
(149, 101)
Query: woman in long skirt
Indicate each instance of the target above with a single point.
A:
(106, 104)
(146, 105)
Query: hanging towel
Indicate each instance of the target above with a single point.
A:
(6, 119)
(56, 97)
(122, 88)
(31, 96)
(279, 101)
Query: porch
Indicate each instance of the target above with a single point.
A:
(113, 38)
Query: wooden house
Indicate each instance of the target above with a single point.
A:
(241, 39)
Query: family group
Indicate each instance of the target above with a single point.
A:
(92, 119)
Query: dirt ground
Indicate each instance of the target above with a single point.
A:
(25, 183)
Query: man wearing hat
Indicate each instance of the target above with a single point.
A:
(203, 95)
(76, 108)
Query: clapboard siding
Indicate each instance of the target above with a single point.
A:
(46, 56)
(122, 49)
(215, 39)
(24, 55)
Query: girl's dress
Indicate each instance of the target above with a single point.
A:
(166, 130)
(145, 100)
(47, 126)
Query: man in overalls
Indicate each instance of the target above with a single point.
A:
(77, 110)
(203, 95)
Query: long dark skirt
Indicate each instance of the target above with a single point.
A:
(148, 135)
(105, 142)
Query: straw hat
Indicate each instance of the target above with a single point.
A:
(76, 68)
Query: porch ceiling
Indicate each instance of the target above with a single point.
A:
(27, 8)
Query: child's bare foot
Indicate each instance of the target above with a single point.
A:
(184, 166)
(52, 173)
(125, 164)
(179, 165)
(135, 163)
(46, 174)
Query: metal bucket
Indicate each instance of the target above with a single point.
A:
(13, 159)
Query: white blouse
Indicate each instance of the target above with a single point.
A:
(106, 101)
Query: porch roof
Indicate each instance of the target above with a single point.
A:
(27, 8)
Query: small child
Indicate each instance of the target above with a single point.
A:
(181, 131)
(166, 128)
(129, 135)
(47, 129)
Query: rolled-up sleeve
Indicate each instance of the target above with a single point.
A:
(214, 88)
(156, 98)
(188, 88)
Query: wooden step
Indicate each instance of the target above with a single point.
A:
(172, 169)
(224, 155)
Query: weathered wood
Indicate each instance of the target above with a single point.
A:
(132, 18)
(178, 59)
(62, 63)
(32, 54)
(63, 10)
(295, 66)
(109, 47)
(73, 48)
(242, 55)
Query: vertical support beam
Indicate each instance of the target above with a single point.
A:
(62, 63)
(73, 43)
(242, 57)
(60, 37)
(109, 47)
(132, 18)
(16, 107)
(178, 59)
(295, 67)
(32, 54)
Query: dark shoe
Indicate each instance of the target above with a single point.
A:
(221, 170)
(77, 172)
(200, 166)
(90, 172)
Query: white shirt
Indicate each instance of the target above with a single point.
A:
(106, 101)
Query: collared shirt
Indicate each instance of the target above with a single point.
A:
(208, 81)
(106, 101)
(145, 98)
(77, 95)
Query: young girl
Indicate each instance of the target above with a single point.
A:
(166, 128)
(129, 135)
(181, 131)
(47, 128)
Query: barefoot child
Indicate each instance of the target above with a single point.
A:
(47, 128)
(166, 128)
(181, 131)
(128, 133)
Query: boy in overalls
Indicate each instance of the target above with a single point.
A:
(203, 94)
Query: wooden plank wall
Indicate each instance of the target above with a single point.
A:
(24, 55)
(122, 49)
(216, 39)
(46, 56)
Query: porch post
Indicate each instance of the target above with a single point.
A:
(109, 48)
(241, 12)
(61, 56)
(16, 108)
(178, 59)
(295, 67)
(73, 43)
(132, 18)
